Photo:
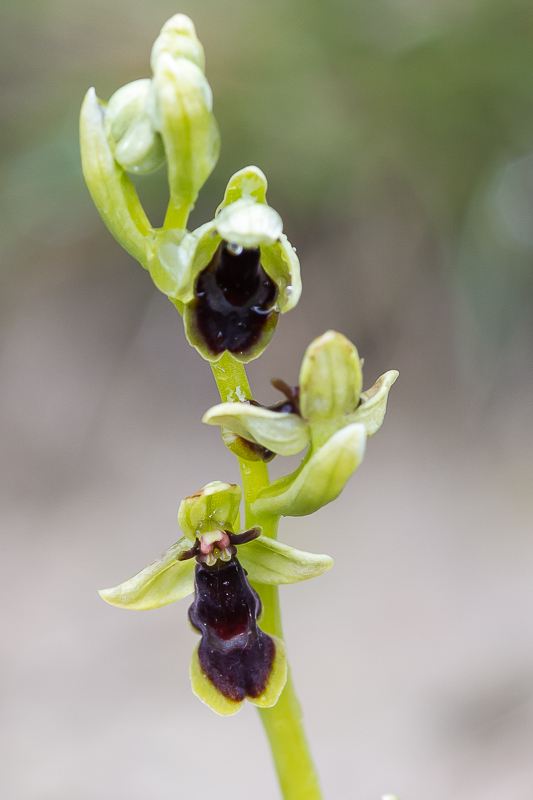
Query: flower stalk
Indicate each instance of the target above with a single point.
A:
(283, 723)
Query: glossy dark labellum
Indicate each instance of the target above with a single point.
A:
(234, 653)
(234, 300)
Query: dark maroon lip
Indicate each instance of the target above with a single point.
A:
(234, 300)
(234, 653)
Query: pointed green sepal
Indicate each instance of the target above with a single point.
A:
(371, 411)
(111, 189)
(285, 434)
(268, 561)
(319, 480)
(215, 506)
(249, 182)
(163, 581)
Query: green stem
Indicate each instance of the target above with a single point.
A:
(283, 722)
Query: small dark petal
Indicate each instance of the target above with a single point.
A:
(292, 393)
(234, 653)
(245, 537)
(192, 553)
(234, 300)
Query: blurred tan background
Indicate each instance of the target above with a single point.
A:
(397, 136)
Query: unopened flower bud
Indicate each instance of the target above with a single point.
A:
(178, 38)
(180, 109)
(135, 144)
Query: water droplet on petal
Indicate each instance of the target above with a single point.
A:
(235, 249)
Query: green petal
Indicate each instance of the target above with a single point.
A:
(214, 506)
(330, 379)
(371, 412)
(163, 581)
(248, 182)
(319, 480)
(207, 692)
(280, 262)
(278, 678)
(111, 190)
(285, 434)
(249, 224)
(269, 561)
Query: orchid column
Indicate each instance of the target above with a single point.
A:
(230, 279)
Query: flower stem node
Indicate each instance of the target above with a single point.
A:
(235, 660)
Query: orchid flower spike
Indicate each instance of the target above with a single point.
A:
(235, 660)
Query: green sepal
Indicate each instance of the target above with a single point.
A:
(285, 434)
(163, 581)
(249, 182)
(163, 261)
(269, 561)
(209, 694)
(371, 411)
(331, 378)
(214, 506)
(111, 189)
(319, 479)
